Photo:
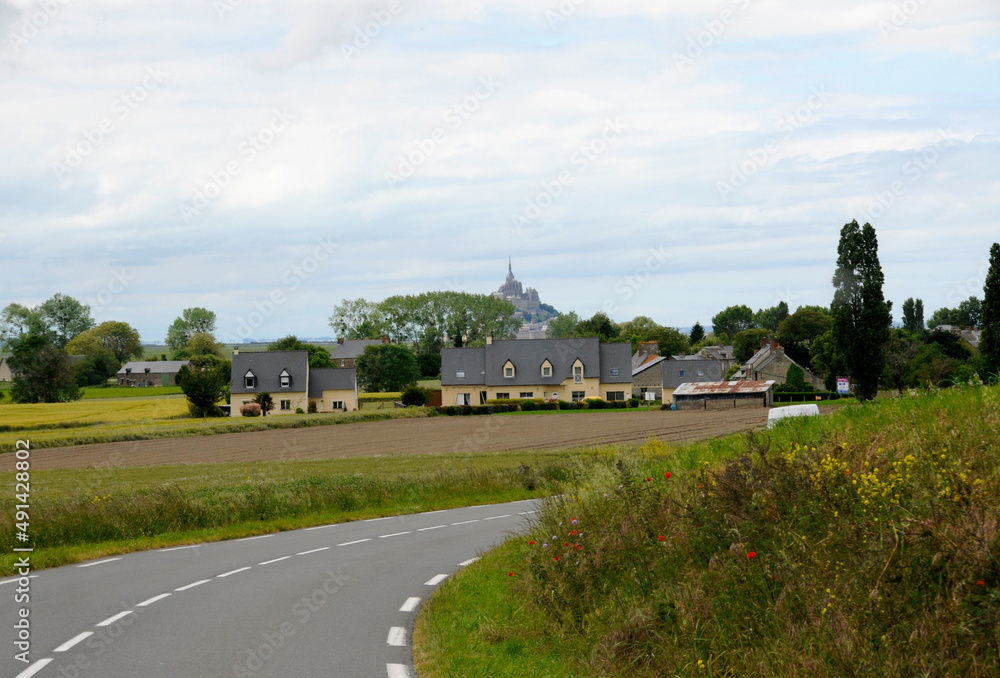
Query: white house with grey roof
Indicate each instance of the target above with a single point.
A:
(346, 352)
(286, 375)
(552, 369)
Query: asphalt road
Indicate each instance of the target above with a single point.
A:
(333, 601)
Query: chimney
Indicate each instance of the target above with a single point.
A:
(489, 339)
(340, 340)
(385, 339)
(770, 341)
(649, 347)
(236, 351)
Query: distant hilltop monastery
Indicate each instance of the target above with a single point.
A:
(530, 309)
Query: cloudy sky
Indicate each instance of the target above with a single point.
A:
(267, 159)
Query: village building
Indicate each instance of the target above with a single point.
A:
(724, 395)
(150, 373)
(291, 383)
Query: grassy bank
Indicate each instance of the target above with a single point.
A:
(866, 543)
(77, 515)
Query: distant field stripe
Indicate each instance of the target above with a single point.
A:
(191, 586)
(232, 572)
(394, 534)
(111, 620)
(73, 641)
(351, 543)
(153, 600)
(436, 527)
(99, 562)
(466, 522)
(306, 553)
(434, 581)
(397, 636)
(276, 560)
(410, 605)
(42, 663)
(506, 515)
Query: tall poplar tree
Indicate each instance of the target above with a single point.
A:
(861, 316)
(989, 341)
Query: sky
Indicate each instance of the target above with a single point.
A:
(266, 160)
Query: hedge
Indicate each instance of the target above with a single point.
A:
(807, 396)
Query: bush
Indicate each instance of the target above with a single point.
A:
(312, 407)
(299, 410)
(634, 402)
(250, 410)
(416, 396)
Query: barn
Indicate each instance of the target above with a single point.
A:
(724, 395)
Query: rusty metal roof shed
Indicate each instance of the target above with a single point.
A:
(723, 388)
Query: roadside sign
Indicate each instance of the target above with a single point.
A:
(843, 386)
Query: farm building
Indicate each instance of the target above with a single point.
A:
(292, 384)
(150, 373)
(771, 362)
(655, 377)
(5, 371)
(346, 352)
(724, 395)
(557, 369)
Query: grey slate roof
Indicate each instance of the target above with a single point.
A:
(267, 367)
(672, 369)
(484, 366)
(139, 367)
(650, 361)
(352, 348)
(718, 352)
(331, 379)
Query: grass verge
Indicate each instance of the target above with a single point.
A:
(866, 543)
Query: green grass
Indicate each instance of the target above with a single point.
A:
(97, 392)
(865, 543)
(78, 515)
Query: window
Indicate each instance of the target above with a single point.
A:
(682, 373)
(508, 372)
(615, 396)
(249, 380)
(460, 375)
(286, 404)
(337, 404)
(701, 373)
(464, 399)
(555, 395)
(503, 396)
(578, 374)
(547, 371)
(578, 396)
(614, 371)
(527, 394)
(286, 379)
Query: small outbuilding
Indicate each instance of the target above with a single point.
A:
(724, 395)
(150, 373)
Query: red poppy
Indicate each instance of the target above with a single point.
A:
(649, 480)
(577, 547)
(531, 543)
(510, 574)
(980, 583)
(565, 543)
(667, 475)
(751, 555)
(573, 533)
(661, 538)
(555, 558)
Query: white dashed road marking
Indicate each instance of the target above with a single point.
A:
(191, 586)
(261, 536)
(434, 581)
(242, 569)
(466, 563)
(351, 543)
(306, 553)
(99, 562)
(153, 600)
(111, 620)
(466, 522)
(41, 663)
(276, 560)
(410, 605)
(179, 548)
(394, 534)
(397, 671)
(436, 527)
(73, 641)
(497, 517)
(397, 636)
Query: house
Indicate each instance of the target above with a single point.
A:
(150, 373)
(724, 354)
(654, 377)
(346, 352)
(553, 369)
(771, 362)
(969, 335)
(292, 384)
(5, 372)
(724, 395)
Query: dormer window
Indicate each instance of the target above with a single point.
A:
(546, 369)
(249, 380)
(578, 374)
(508, 370)
(285, 378)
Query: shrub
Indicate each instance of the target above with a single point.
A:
(299, 410)
(416, 396)
(634, 402)
(250, 410)
(312, 407)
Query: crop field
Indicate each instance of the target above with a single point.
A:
(90, 412)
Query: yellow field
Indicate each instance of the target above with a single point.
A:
(91, 411)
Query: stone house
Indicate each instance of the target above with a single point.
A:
(150, 373)
(771, 363)
(346, 352)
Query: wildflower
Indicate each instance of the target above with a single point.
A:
(565, 543)
(751, 555)
(661, 538)
(649, 480)
(667, 475)
(577, 547)
(573, 533)
(980, 583)
(510, 574)
(573, 521)
(555, 558)
(531, 543)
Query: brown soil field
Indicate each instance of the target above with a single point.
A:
(404, 436)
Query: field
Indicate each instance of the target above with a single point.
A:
(403, 437)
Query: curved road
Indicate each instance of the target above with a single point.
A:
(335, 600)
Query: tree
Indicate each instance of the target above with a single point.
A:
(796, 378)
(804, 326)
(733, 320)
(357, 319)
(318, 356)
(770, 318)
(120, 338)
(191, 321)
(861, 316)
(205, 381)
(563, 326)
(826, 359)
(265, 402)
(386, 367)
(416, 396)
(204, 343)
(16, 321)
(697, 333)
(970, 312)
(42, 371)
(599, 325)
(66, 316)
(913, 315)
(747, 342)
(989, 342)
(96, 368)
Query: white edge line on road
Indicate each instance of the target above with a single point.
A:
(268, 562)
(497, 517)
(99, 562)
(524, 513)
(427, 513)
(410, 605)
(262, 536)
(191, 586)
(178, 548)
(73, 641)
(436, 580)
(397, 671)
(41, 663)
(153, 600)
(320, 527)
(226, 574)
(306, 553)
(111, 620)
(397, 636)
(436, 527)
(466, 522)
(394, 534)
(375, 520)
(351, 543)
(466, 563)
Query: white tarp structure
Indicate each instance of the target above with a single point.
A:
(779, 413)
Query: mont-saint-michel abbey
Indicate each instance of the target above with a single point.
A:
(534, 314)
